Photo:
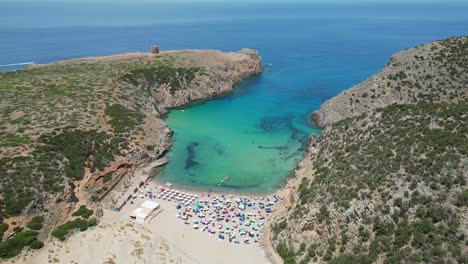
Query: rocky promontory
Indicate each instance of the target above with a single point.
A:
(72, 130)
(386, 182)
(433, 72)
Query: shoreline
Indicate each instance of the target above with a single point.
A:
(210, 191)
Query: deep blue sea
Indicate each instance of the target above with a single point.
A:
(255, 135)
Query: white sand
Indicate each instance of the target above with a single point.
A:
(165, 239)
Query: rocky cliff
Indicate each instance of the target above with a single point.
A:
(71, 129)
(433, 72)
(386, 182)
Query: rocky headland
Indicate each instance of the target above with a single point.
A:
(386, 182)
(72, 131)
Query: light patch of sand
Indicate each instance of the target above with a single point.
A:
(165, 239)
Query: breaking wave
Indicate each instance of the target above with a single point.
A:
(17, 64)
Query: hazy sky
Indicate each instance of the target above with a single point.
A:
(237, 1)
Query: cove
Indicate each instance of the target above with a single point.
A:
(311, 52)
(256, 134)
(245, 135)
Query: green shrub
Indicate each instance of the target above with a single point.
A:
(7, 86)
(94, 197)
(462, 199)
(311, 251)
(123, 120)
(80, 147)
(286, 253)
(62, 231)
(278, 227)
(92, 222)
(176, 78)
(35, 226)
(36, 244)
(83, 211)
(13, 246)
(150, 147)
(3, 228)
(107, 177)
(36, 223)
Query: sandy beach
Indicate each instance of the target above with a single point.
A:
(163, 239)
(118, 239)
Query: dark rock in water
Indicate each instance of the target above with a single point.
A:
(275, 123)
(279, 123)
(280, 148)
(219, 150)
(190, 161)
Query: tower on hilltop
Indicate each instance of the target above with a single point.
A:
(154, 49)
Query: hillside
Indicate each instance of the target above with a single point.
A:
(72, 129)
(433, 72)
(386, 182)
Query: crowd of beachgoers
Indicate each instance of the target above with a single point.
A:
(234, 218)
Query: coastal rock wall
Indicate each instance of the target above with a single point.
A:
(217, 75)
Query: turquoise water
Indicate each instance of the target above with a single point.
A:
(249, 138)
(256, 134)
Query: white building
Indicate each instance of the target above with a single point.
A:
(144, 211)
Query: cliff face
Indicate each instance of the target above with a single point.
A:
(230, 69)
(71, 129)
(386, 182)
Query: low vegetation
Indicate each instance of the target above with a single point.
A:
(21, 238)
(13, 246)
(3, 228)
(59, 156)
(62, 231)
(84, 212)
(122, 119)
(56, 120)
(159, 74)
(389, 185)
(36, 223)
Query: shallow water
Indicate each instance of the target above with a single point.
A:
(256, 134)
(252, 139)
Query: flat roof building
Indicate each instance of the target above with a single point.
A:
(144, 212)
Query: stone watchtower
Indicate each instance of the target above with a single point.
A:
(154, 49)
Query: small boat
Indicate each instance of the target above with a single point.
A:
(223, 180)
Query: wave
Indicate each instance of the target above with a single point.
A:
(17, 64)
